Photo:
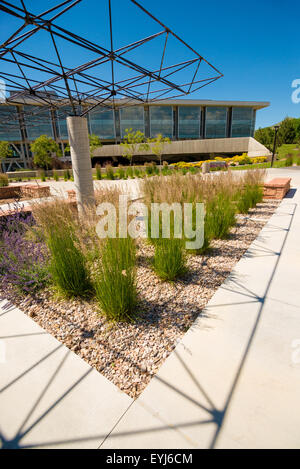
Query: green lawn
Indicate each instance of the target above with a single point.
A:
(288, 149)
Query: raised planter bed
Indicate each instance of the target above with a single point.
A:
(10, 192)
(277, 188)
(35, 191)
(72, 199)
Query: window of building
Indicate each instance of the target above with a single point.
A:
(102, 123)
(9, 124)
(62, 114)
(38, 122)
(243, 122)
(132, 118)
(161, 121)
(216, 122)
(189, 122)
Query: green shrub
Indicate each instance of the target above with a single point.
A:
(98, 172)
(297, 160)
(129, 172)
(109, 172)
(289, 160)
(137, 172)
(169, 260)
(166, 171)
(121, 172)
(193, 170)
(115, 284)
(149, 168)
(55, 176)
(3, 180)
(67, 262)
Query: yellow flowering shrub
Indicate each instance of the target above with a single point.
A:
(237, 160)
(260, 159)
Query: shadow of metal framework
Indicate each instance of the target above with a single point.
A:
(82, 87)
(210, 413)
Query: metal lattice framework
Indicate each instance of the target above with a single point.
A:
(82, 86)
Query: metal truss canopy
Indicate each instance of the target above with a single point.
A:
(83, 87)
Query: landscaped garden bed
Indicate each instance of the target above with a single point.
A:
(127, 348)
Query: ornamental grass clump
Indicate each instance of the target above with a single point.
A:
(115, 281)
(220, 215)
(137, 172)
(129, 172)
(3, 180)
(67, 262)
(250, 191)
(67, 175)
(68, 267)
(109, 172)
(169, 260)
(98, 172)
(121, 172)
(42, 175)
(55, 176)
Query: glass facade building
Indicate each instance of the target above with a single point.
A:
(9, 124)
(176, 119)
(132, 118)
(216, 122)
(161, 121)
(243, 122)
(189, 122)
(102, 123)
(37, 122)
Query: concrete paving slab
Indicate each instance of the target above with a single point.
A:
(49, 396)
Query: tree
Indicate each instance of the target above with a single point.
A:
(287, 132)
(134, 141)
(43, 149)
(5, 152)
(265, 136)
(158, 146)
(297, 129)
(95, 143)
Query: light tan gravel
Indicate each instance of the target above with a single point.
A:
(130, 354)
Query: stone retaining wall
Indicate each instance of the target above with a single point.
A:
(10, 192)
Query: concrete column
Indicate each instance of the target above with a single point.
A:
(81, 160)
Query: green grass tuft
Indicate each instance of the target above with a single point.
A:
(115, 284)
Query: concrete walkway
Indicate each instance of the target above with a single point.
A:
(232, 382)
(131, 187)
(49, 397)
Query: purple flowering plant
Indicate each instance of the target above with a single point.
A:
(23, 262)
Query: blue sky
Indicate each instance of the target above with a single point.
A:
(255, 44)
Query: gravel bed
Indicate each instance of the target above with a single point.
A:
(130, 354)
